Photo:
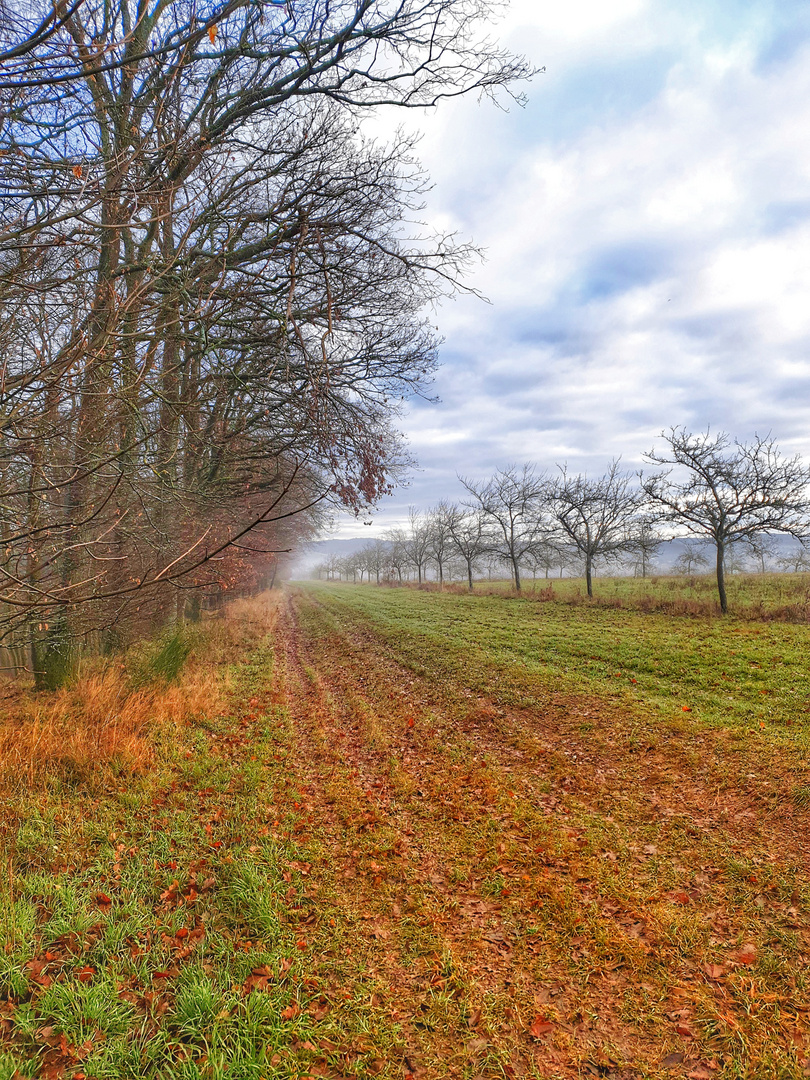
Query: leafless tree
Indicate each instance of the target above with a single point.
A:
(469, 537)
(729, 491)
(691, 560)
(598, 518)
(512, 504)
(397, 551)
(797, 562)
(546, 555)
(440, 539)
(763, 550)
(209, 305)
(417, 542)
(646, 542)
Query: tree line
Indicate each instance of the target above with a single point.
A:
(211, 303)
(721, 492)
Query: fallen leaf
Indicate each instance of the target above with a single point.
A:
(701, 1071)
(540, 1026)
(671, 1060)
(290, 1012)
(747, 954)
(714, 971)
(85, 974)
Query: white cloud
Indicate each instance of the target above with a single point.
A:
(647, 261)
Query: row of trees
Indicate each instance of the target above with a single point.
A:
(209, 305)
(727, 495)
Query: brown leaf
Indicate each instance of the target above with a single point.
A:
(290, 1012)
(747, 954)
(684, 1030)
(714, 971)
(671, 1060)
(540, 1026)
(474, 1019)
(701, 1071)
(212, 33)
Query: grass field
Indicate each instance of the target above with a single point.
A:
(430, 835)
(785, 597)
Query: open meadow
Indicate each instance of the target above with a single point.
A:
(409, 833)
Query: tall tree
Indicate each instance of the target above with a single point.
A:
(468, 533)
(417, 542)
(210, 309)
(728, 491)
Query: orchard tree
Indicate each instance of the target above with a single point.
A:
(417, 542)
(727, 491)
(470, 540)
(513, 506)
(440, 540)
(691, 560)
(597, 518)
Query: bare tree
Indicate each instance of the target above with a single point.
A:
(417, 542)
(730, 491)
(546, 555)
(797, 562)
(469, 537)
(513, 505)
(691, 560)
(208, 302)
(646, 542)
(763, 550)
(397, 551)
(598, 518)
(440, 540)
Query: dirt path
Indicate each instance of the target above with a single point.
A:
(542, 901)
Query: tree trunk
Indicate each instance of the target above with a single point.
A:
(721, 576)
(517, 575)
(469, 575)
(588, 573)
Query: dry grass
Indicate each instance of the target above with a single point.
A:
(100, 723)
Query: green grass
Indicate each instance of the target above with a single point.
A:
(727, 672)
(756, 595)
(133, 923)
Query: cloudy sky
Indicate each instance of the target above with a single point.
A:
(646, 220)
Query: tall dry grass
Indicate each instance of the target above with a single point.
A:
(97, 725)
(105, 723)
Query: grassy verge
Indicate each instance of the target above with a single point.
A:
(419, 836)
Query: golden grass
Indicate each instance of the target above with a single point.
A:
(96, 724)
(100, 723)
